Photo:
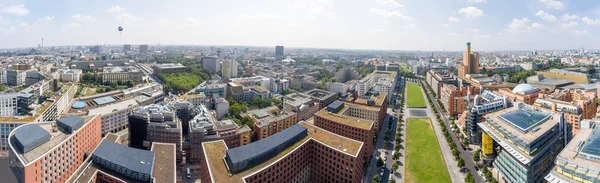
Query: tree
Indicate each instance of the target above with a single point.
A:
(130, 83)
(477, 156)
(460, 163)
(2, 87)
(393, 181)
(395, 166)
(246, 120)
(236, 109)
(397, 147)
(286, 91)
(379, 162)
(469, 178)
(375, 179)
(396, 156)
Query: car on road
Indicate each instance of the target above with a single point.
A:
(482, 176)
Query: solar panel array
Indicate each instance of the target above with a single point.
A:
(524, 120)
(592, 146)
(104, 100)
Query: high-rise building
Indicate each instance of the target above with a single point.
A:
(154, 123)
(271, 120)
(127, 47)
(213, 64)
(470, 63)
(279, 50)
(96, 49)
(527, 139)
(143, 48)
(229, 69)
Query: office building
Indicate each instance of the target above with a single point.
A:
(211, 63)
(15, 77)
(271, 120)
(51, 152)
(246, 94)
(143, 48)
(279, 51)
(185, 111)
(436, 79)
(575, 104)
(577, 77)
(352, 121)
(578, 161)
(168, 68)
(346, 74)
(529, 139)
(209, 89)
(204, 127)
(229, 69)
(481, 105)
(33, 77)
(301, 153)
(222, 107)
(378, 81)
(98, 64)
(377, 100)
(127, 47)
(323, 97)
(96, 49)
(470, 64)
(117, 163)
(71, 75)
(122, 74)
(154, 123)
(454, 99)
(114, 116)
(301, 104)
(338, 88)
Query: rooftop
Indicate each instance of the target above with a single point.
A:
(384, 73)
(379, 99)
(320, 94)
(57, 136)
(348, 120)
(169, 65)
(164, 162)
(218, 149)
(107, 109)
(136, 160)
(118, 69)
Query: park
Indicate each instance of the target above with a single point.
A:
(424, 161)
(415, 96)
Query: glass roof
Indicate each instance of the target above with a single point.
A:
(524, 120)
(592, 145)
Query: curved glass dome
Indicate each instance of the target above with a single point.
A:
(522, 88)
(79, 104)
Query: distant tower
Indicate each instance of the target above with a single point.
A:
(278, 50)
(42, 43)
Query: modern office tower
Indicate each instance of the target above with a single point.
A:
(96, 49)
(204, 127)
(241, 93)
(301, 153)
(301, 104)
(350, 120)
(114, 116)
(578, 161)
(575, 104)
(51, 152)
(117, 163)
(168, 68)
(436, 79)
(211, 63)
(482, 104)
(377, 100)
(271, 120)
(185, 111)
(229, 69)
(127, 47)
(528, 139)
(454, 99)
(380, 81)
(143, 48)
(278, 51)
(15, 77)
(123, 74)
(470, 63)
(222, 107)
(154, 123)
(323, 97)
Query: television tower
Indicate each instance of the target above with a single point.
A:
(42, 43)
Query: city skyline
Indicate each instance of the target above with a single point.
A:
(429, 25)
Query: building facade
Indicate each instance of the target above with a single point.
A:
(168, 68)
(470, 64)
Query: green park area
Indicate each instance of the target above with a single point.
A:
(414, 97)
(424, 161)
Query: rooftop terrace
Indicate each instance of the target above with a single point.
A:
(217, 151)
(348, 120)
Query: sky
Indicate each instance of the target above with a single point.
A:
(426, 25)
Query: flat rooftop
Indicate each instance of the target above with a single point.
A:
(215, 152)
(169, 65)
(119, 69)
(164, 162)
(57, 137)
(107, 109)
(320, 94)
(379, 99)
(22, 119)
(583, 145)
(537, 119)
(384, 73)
(348, 120)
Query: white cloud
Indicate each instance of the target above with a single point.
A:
(80, 18)
(473, 30)
(477, 1)
(446, 25)
(388, 14)
(569, 25)
(128, 17)
(4, 21)
(537, 25)
(545, 16)
(567, 17)
(46, 19)
(319, 7)
(590, 21)
(191, 22)
(581, 32)
(257, 15)
(519, 23)
(73, 25)
(15, 9)
(482, 36)
(116, 9)
(391, 3)
(453, 19)
(552, 4)
(471, 12)
(411, 26)
(11, 29)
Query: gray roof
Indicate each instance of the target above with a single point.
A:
(246, 156)
(70, 123)
(335, 106)
(28, 137)
(136, 160)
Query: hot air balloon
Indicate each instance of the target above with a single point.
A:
(120, 29)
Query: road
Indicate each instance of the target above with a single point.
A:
(466, 155)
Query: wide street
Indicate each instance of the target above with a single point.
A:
(466, 155)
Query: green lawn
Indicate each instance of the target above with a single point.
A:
(424, 161)
(414, 97)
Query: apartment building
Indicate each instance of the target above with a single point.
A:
(271, 120)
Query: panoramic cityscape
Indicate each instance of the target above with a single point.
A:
(300, 91)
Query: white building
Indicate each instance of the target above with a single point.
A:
(71, 75)
(229, 69)
(222, 108)
(9, 105)
(213, 64)
(364, 85)
(337, 87)
(2, 75)
(115, 116)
